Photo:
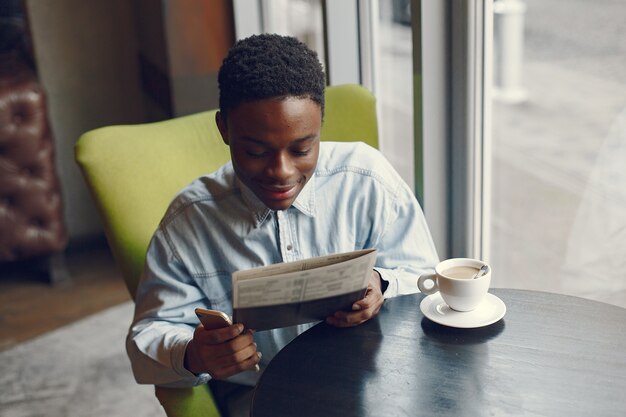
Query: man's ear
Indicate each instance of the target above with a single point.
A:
(220, 121)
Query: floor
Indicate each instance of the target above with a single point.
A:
(30, 306)
(78, 370)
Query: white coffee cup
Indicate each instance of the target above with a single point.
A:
(453, 278)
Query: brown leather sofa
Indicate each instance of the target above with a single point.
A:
(32, 229)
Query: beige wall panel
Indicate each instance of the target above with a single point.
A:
(86, 56)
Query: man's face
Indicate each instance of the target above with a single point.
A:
(274, 146)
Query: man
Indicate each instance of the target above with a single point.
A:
(283, 197)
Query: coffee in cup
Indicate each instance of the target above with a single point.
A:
(461, 272)
(454, 279)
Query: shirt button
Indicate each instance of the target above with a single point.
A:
(289, 247)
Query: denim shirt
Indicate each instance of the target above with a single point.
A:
(216, 225)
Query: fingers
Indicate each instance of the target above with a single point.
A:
(362, 310)
(247, 364)
(235, 362)
(222, 352)
(216, 336)
(348, 320)
(370, 299)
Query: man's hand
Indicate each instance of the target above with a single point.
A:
(221, 352)
(363, 309)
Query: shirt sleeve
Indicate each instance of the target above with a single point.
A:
(164, 321)
(405, 248)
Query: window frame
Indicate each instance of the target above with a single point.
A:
(452, 93)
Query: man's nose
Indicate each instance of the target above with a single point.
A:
(281, 166)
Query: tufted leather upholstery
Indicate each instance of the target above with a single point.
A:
(31, 214)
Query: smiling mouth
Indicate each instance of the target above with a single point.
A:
(279, 192)
(277, 188)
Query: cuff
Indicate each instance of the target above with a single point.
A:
(388, 281)
(178, 363)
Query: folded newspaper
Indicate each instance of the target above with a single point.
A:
(299, 292)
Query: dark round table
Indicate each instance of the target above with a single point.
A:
(551, 355)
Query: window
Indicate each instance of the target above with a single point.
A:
(558, 218)
(393, 46)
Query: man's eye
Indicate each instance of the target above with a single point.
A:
(256, 154)
(301, 152)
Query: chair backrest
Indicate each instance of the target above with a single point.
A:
(134, 171)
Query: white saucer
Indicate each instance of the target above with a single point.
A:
(488, 312)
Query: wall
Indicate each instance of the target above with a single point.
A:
(181, 47)
(87, 61)
(92, 56)
(199, 34)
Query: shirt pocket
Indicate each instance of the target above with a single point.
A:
(217, 288)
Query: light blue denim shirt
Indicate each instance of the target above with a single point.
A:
(216, 225)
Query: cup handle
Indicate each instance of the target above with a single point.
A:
(422, 281)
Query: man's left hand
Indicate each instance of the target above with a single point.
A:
(362, 310)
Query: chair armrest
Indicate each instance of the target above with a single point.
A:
(187, 402)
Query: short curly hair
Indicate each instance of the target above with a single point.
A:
(267, 66)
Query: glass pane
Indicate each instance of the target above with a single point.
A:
(395, 85)
(559, 147)
(302, 19)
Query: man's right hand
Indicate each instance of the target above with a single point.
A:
(221, 352)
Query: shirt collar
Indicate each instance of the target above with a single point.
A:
(305, 202)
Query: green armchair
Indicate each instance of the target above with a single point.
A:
(134, 171)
